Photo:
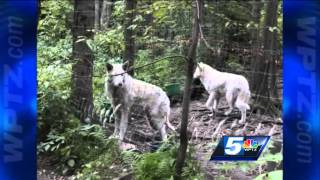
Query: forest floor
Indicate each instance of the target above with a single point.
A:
(205, 130)
(46, 169)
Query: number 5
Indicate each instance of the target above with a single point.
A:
(233, 145)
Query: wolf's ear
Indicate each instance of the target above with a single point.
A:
(125, 66)
(109, 67)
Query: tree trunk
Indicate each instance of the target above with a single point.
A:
(255, 43)
(149, 17)
(261, 78)
(191, 56)
(274, 55)
(129, 33)
(97, 15)
(83, 24)
(106, 13)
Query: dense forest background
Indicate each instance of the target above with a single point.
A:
(76, 39)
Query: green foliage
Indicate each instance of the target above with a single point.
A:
(118, 13)
(157, 165)
(78, 145)
(58, 53)
(53, 20)
(53, 93)
(52, 143)
(277, 158)
(161, 164)
(106, 165)
(83, 149)
(54, 68)
(233, 63)
(107, 44)
(161, 73)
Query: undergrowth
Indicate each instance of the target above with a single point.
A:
(84, 152)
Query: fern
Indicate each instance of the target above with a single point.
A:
(161, 164)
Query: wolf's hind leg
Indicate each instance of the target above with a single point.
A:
(230, 101)
(243, 109)
(163, 132)
(158, 122)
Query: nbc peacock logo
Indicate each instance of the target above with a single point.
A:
(250, 145)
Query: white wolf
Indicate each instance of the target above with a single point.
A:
(125, 91)
(235, 87)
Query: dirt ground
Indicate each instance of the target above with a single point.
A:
(206, 129)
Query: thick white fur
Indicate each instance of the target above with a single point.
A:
(123, 89)
(235, 87)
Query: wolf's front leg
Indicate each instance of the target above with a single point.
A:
(116, 128)
(123, 123)
(117, 115)
(212, 100)
(215, 102)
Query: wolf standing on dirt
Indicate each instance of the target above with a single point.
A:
(235, 87)
(124, 91)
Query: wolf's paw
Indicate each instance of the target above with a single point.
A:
(242, 121)
(227, 112)
(127, 146)
(114, 136)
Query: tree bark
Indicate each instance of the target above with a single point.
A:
(83, 24)
(149, 17)
(106, 12)
(97, 15)
(129, 48)
(274, 55)
(191, 56)
(261, 78)
(255, 43)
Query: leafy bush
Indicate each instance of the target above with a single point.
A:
(107, 44)
(78, 145)
(53, 95)
(157, 165)
(112, 163)
(161, 73)
(107, 165)
(161, 164)
(54, 68)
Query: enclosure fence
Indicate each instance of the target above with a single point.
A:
(233, 48)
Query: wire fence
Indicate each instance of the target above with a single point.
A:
(228, 48)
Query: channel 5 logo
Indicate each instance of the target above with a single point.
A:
(240, 148)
